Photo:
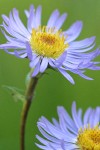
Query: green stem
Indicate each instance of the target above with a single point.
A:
(29, 95)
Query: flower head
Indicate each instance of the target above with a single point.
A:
(71, 133)
(48, 46)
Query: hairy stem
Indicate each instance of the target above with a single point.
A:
(28, 100)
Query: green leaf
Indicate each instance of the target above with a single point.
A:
(15, 92)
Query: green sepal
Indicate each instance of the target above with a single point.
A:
(15, 92)
(27, 80)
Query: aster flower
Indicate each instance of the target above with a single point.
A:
(48, 46)
(71, 133)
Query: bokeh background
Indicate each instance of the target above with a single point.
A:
(53, 89)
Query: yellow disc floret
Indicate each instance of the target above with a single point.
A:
(47, 42)
(89, 138)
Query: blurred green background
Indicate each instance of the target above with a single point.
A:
(53, 89)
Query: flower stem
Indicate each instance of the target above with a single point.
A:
(28, 100)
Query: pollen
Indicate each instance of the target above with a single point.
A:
(48, 42)
(89, 138)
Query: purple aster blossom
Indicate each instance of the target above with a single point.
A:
(71, 133)
(48, 46)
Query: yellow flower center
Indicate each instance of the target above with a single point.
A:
(48, 42)
(89, 138)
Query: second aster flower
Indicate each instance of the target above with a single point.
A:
(48, 46)
(71, 133)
